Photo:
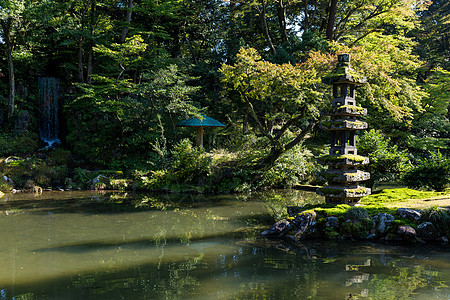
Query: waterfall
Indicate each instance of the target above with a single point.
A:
(48, 108)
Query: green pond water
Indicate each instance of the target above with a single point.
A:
(87, 245)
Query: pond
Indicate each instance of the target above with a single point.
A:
(88, 245)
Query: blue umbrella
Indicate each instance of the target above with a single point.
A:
(200, 123)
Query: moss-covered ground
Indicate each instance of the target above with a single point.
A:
(403, 197)
(388, 201)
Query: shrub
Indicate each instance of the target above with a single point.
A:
(188, 162)
(356, 229)
(188, 166)
(439, 217)
(432, 172)
(291, 168)
(11, 144)
(387, 162)
(61, 157)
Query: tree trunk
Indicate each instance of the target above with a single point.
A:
(277, 149)
(6, 28)
(80, 60)
(127, 20)
(331, 19)
(89, 66)
(245, 122)
(262, 15)
(12, 82)
(282, 20)
(305, 21)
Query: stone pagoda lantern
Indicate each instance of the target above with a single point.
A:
(343, 176)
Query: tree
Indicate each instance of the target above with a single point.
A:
(11, 19)
(280, 99)
(433, 35)
(125, 55)
(430, 172)
(387, 162)
(431, 127)
(391, 94)
(82, 25)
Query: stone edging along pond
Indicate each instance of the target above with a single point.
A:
(342, 222)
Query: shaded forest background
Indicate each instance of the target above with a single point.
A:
(131, 70)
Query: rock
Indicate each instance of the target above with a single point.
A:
(406, 232)
(413, 215)
(98, 179)
(427, 231)
(8, 180)
(29, 184)
(381, 222)
(293, 210)
(98, 183)
(278, 229)
(442, 240)
(301, 223)
(371, 236)
(11, 159)
(332, 222)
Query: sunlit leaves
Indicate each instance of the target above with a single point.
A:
(167, 91)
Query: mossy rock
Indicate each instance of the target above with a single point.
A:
(356, 229)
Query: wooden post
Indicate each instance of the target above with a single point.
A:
(200, 137)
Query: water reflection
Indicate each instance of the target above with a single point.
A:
(88, 246)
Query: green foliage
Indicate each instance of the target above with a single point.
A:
(17, 144)
(31, 171)
(189, 166)
(356, 229)
(104, 179)
(293, 167)
(431, 127)
(283, 101)
(432, 172)
(188, 162)
(61, 156)
(128, 82)
(109, 128)
(387, 162)
(439, 217)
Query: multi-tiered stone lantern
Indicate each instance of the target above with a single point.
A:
(343, 176)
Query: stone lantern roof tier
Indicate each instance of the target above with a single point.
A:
(344, 175)
(343, 192)
(343, 125)
(345, 110)
(343, 160)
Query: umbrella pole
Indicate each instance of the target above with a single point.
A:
(200, 137)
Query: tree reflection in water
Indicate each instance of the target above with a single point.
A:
(208, 249)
